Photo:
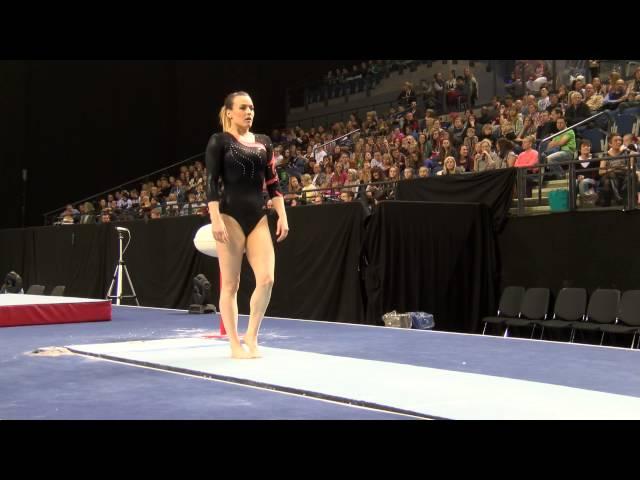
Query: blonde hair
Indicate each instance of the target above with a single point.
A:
(228, 105)
(486, 141)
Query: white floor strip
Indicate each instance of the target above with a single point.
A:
(13, 299)
(423, 390)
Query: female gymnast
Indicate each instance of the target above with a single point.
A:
(244, 163)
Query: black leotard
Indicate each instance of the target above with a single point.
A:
(244, 169)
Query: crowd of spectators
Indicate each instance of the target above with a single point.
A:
(413, 140)
(359, 77)
(169, 195)
(437, 93)
(321, 164)
(455, 94)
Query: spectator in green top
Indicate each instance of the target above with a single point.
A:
(566, 142)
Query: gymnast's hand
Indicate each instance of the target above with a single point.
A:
(220, 232)
(282, 229)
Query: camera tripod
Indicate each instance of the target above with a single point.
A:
(120, 268)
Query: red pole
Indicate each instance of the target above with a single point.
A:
(222, 330)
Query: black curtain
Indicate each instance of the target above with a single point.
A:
(573, 249)
(432, 257)
(317, 269)
(73, 257)
(162, 260)
(423, 256)
(159, 259)
(317, 266)
(493, 188)
(12, 252)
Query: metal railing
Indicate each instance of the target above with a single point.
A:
(571, 127)
(630, 172)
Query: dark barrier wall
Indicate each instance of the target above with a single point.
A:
(317, 267)
(83, 258)
(431, 257)
(574, 249)
(493, 188)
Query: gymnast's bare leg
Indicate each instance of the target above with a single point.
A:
(230, 253)
(262, 259)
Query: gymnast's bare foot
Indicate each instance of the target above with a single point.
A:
(239, 352)
(252, 344)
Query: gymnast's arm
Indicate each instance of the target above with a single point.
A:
(271, 181)
(213, 160)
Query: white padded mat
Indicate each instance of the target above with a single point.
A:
(423, 390)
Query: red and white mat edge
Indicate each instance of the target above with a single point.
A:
(22, 310)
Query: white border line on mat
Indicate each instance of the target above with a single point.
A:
(501, 338)
(153, 308)
(93, 357)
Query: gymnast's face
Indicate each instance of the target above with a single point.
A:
(242, 113)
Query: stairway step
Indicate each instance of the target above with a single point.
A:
(538, 210)
(531, 202)
(545, 193)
